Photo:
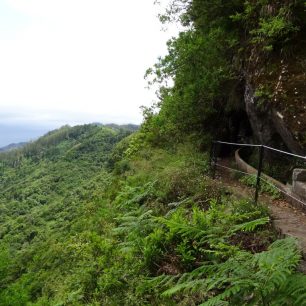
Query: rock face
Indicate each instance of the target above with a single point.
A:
(260, 120)
(299, 183)
(267, 123)
(299, 175)
(274, 84)
(285, 134)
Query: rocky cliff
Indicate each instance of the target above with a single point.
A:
(274, 73)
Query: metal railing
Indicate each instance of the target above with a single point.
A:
(262, 151)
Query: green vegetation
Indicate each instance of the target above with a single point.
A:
(269, 188)
(262, 94)
(48, 194)
(224, 43)
(95, 224)
(103, 215)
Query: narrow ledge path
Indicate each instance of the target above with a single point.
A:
(287, 220)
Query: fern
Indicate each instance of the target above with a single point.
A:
(131, 197)
(133, 228)
(216, 301)
(296, 289)
(135, 221)
(244, 278)
(227, 275)
(251, 225)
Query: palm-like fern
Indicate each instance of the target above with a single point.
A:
(134, 227)
(217, 271)
(245, 279)
(227, 274)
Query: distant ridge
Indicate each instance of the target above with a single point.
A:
(16, 145)
(12, 146)
(129, 127)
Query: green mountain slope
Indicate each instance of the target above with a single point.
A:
(92, 215)
(46, 191)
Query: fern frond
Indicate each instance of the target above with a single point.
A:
(215, 301)
(251, 225)
(220, 298)
(293, 291)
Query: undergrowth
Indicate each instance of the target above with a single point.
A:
(265, 187)
(188, 243)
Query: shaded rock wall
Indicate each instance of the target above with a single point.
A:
(267, 123)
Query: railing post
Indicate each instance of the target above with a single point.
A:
(259, 170)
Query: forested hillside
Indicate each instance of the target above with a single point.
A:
(91, 215)
(47, 196)
(110, 215)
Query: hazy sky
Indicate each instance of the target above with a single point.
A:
(76, 61)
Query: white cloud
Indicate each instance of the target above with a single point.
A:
(76, 56)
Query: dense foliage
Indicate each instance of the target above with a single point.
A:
(48, 190)
(223, 44)
(90, 217)
(98, 215)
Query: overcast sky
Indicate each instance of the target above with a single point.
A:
(77, 61)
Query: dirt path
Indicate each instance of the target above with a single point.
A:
(288, 220)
